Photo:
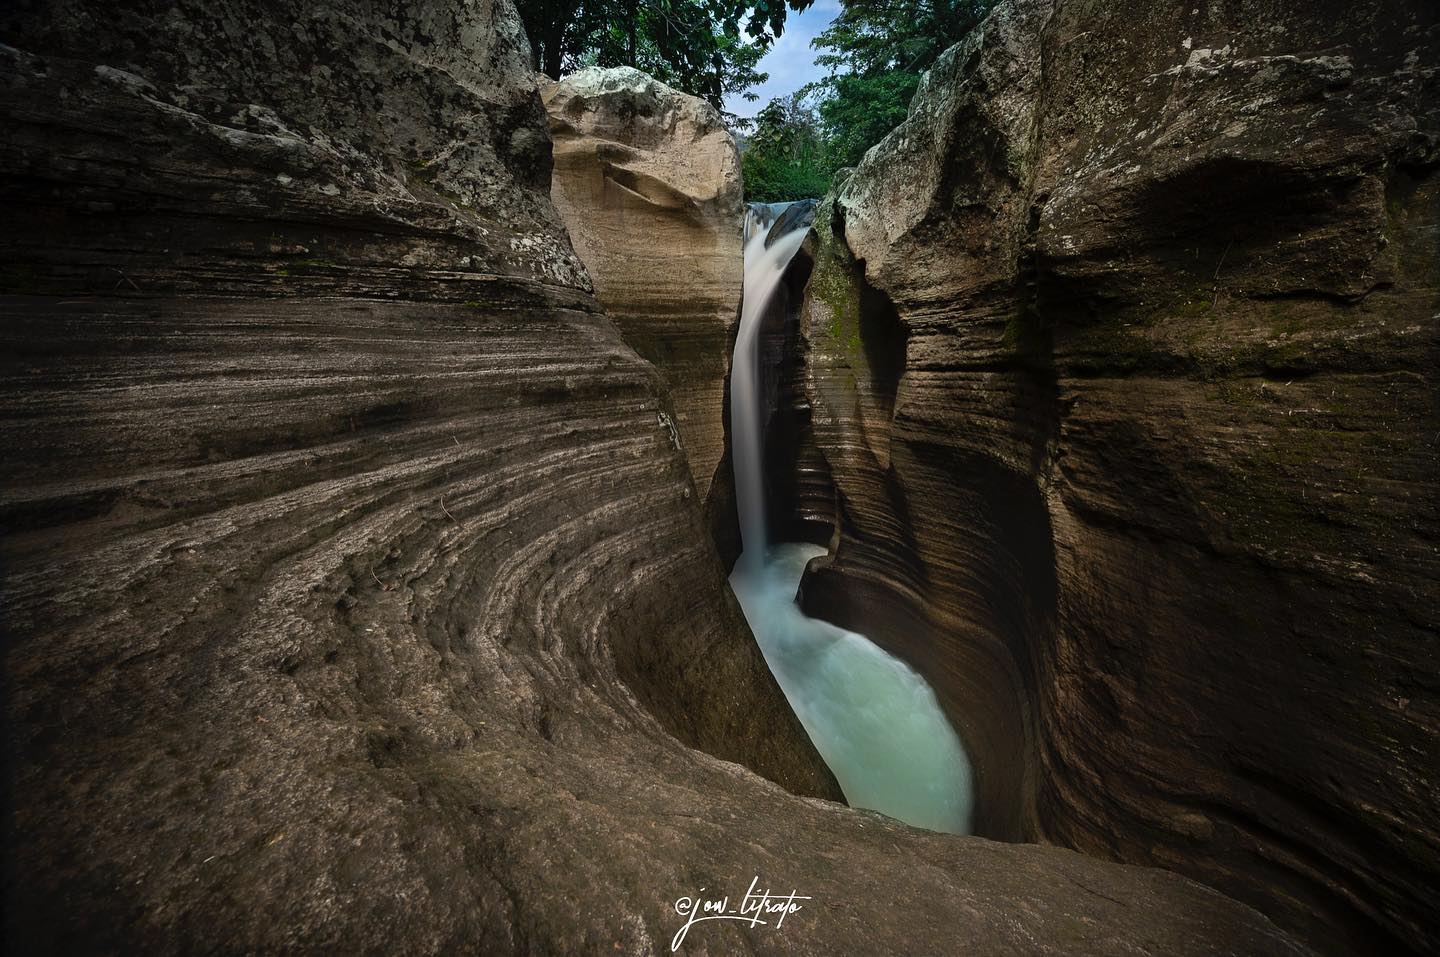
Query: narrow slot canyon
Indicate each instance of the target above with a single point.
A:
(447, 508)
(832, 347)
(874, 720)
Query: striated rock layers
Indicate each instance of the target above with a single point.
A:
(647, 179)
(1122, 354)
(356, 599)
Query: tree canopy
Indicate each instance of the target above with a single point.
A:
(708, 48)
(875, 52)
(785, 156)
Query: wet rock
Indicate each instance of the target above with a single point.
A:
(1121, 355)
(792, 216)
(647, 179)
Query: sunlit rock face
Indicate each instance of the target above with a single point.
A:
(647, 179)
(1121, 354)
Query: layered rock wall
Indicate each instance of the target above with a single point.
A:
(1122, 356)
(328, 488)
(647, 179)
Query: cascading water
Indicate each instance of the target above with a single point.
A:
(874, 720)
(764, 267)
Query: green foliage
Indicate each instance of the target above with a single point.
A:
(786, 156)
(708, 48)
(876, 51)
(862, 109)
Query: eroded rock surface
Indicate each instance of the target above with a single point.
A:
(1122, 355)
(356, 600)
(647, 179)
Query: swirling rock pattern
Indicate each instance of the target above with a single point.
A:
(1122, 355)
(356, 598)
(647, 179)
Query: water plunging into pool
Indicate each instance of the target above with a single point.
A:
(874, 720)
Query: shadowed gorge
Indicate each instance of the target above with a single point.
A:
(369, 519)
(873, 719)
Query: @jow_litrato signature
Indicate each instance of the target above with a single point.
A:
(756, 908)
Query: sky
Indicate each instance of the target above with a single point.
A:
(791, 60)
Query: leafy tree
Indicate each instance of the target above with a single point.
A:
(708, 48)
(786, 156)
(876, 51)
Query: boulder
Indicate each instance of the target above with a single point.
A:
(791, 216)
(647, 179)
(1121, 355)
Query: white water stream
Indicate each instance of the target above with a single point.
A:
(873, 719)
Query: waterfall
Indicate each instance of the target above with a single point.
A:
(873, 719)
(764, 268)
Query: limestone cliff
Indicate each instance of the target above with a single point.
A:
(647, 179)
(1121, 352)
